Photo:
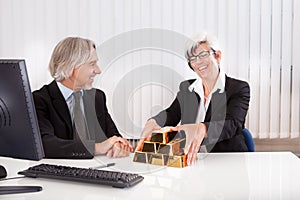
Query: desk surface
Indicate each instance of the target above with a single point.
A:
(256, 175)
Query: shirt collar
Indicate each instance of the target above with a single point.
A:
(66, 92)
(220, 84)
(197, 86)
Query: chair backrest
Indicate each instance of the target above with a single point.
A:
(249, 140)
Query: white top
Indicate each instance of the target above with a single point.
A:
(258, 175)
(198, 88)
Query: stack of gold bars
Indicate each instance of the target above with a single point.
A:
(166, 148)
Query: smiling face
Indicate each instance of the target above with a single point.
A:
(205, 62)
(83, 76)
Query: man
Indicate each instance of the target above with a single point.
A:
(73, 118)
(211, 108)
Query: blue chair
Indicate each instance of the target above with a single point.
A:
(249, 140)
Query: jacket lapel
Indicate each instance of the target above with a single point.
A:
(189, 107)
(60, 105)
(218, 104)
(217, 107)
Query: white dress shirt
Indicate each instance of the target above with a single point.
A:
(69, 97)
(198, 88)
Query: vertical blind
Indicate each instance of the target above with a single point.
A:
(259, 41)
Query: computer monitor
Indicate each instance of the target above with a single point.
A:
(19, 132)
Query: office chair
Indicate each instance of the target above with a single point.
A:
(249, 140)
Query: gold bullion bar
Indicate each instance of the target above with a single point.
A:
(159, 137)
(156, 159)
(140, 157)
(172, 135)
(172, 148)
(177, 146)
(164, 149)
(162, 135)
(177, 161)
(150, 147)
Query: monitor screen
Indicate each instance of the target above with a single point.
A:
(19, 131)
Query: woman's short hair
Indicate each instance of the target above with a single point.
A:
(69, 54)
(198, 39)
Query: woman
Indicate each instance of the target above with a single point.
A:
(211, 108)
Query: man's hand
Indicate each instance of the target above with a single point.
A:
(150, 126)
(119, 150)
(114, 147)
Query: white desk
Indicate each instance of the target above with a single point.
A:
(218, 176)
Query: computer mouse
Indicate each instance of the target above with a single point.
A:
(3, 172)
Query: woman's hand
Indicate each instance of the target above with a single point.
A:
(195, 134)
(150, 126)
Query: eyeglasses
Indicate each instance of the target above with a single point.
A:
(201, 55)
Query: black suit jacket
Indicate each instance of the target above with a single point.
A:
(56, 126)
(224, 118)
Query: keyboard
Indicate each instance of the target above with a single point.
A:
(103, 177)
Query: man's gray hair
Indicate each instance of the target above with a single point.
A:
(69, 54)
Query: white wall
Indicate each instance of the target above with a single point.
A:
(258, 39)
